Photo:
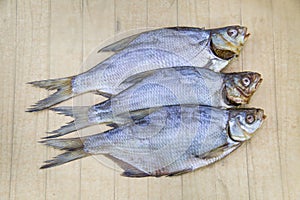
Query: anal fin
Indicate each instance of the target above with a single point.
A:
(134, 174)
(129, 170)
(180, 172)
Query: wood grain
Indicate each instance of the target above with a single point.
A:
(196, 13)
(32, 61)
(98, 26)
(167, 188)
(8, 31)
(231, 173)
(263, 173)
(51, 39)
(65, 60)
(125, 22)
(287, 89)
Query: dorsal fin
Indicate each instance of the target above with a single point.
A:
(119, 45)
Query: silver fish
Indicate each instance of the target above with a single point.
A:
(170, 141)
(162, 87)
(161, 48)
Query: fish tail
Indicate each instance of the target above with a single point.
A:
(64, 92)
(81, 115)
(74, 150)
(68, 144)
(84, 116)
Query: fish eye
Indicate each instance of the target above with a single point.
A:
(232, 32)
(250, 119)
(246, 81)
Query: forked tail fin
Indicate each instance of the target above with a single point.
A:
(84, 116)
(64, 92)
(73, 147)
(80, 113)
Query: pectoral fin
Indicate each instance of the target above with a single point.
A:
(220, 152)
(104, 94)
(137, 117)
(140, 114)
(119, 45)
(113, 125)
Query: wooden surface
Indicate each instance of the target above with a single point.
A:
(50, 39)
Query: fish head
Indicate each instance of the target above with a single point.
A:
(240, 86)
(244, 122)
(227, 42)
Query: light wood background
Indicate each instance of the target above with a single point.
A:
(50, 39)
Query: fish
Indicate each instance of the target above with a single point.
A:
(160, 48)
(163, 87)
(169, 141)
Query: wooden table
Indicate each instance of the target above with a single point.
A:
(50, 39)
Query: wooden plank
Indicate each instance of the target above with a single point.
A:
(130, 16)
(229, 186)
(27, 39)
(263, 152)
(286, 22)
(201, 183)
(32, 62)
(193, 13)
(98, 26)
(164, 188)
(65, 60)
(162, 13)
(226, 13)
(7, 80)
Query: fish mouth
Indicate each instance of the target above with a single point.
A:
(243, 31)
(261, 115)
(258, 83)
(246, 36)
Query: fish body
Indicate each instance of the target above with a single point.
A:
(161, 48)
(169, 141)
(163, 87)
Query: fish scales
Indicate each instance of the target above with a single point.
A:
(161, 48)
(163, 87)
(182, 86)
(169, 141)
(128, 62)
(175, 131)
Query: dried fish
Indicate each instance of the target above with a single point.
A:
(169, 141)
(162, 87)
(161, 48)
